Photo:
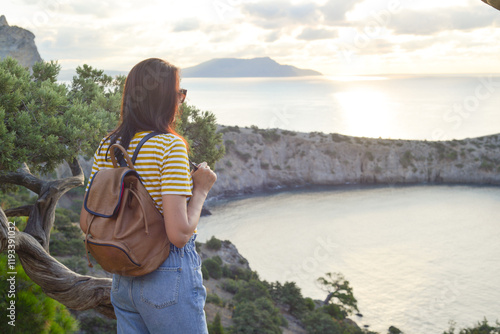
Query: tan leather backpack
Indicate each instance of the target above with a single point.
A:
(124, 231)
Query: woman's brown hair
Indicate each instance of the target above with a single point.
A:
(149, 102)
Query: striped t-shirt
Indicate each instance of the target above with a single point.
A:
(162, 164)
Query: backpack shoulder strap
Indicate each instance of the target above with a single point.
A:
(143, 140)
(122, 161)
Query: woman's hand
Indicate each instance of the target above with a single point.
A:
(203, 178)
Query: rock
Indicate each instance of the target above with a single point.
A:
(3, 21)
(18, 43)
(259, 160)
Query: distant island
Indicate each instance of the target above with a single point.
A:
(234, 67)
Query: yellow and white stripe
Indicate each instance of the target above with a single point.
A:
(162, 164)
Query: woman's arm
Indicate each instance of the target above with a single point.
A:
(181, 220)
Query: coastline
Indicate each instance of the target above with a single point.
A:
(262, 161)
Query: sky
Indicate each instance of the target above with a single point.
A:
(335, 37)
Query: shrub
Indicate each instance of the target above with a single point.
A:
(245, 156)
(289, 295)
(77, 264)
(213, 267)
(93, 322)
(214, 243)
(236, 272)
(270, 136)
(318, 322)
(369, 156)
(35, 312)
(213, 298)
(204, 273)
(230, 129)
(288, 133)
(215, 327)
(252, 290)
(309, 303)
(229, 144)
(406, 159)
(259, 316)
(230, 285)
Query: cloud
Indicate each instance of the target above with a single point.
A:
(334, 11)
(279, 14)
(311, 34)
(431, 22)
(189, 24)
(273, 36)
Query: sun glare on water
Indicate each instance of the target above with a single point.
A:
(365, 113)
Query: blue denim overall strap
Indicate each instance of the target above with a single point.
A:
(168, 300)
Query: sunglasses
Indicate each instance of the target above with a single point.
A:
(182, 95)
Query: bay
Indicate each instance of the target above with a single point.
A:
(416, 256)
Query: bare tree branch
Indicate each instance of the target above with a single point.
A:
(493, 3)
(41, 218)
(22, 211)
(75, 291)
(23, 177)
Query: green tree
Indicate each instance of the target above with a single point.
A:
(42, 125)
(318, 322)
(215, 327)
(339, 293)
(289, 294)
(213, 268)
(252, 290)
(34, 311)
(199, 128)
(481, 327)
(257, 317)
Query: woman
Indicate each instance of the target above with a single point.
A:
(170, 299)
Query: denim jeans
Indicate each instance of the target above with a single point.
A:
(167, 300)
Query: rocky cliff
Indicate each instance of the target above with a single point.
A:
(259, 160)
(17, 43)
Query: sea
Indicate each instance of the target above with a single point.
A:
(417, 257)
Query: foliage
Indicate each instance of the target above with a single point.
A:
(406, 159)
(215, 327)
(199, 129)
(252, 290)
(214, 298)
(214, 243)
(318, 322)
(41, 123)
(77, 264)
(34, 311)
(339, 292)
(66, 237)
(236, 272)
(231, 285)
(17, 197)
(482, 327)
(270, 135)
(289, 295)
(204, 273)
(93, 322)
(259, 316)
(213, 268)
(91, 86)
(230, 128)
